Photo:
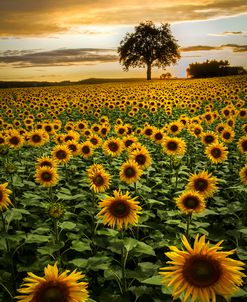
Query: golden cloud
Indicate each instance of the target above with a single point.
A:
(28, 17)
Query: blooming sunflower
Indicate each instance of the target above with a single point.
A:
(243, 175)
(113, 147)
(203, 182)
(86, 149)
(216, 152)
(130, 172)
(99, 180)
(4, 196)
(227, 135)
(14, 139)
(174, 146)
(129, 140)
(202, 272)
(142, 157)
(209, 137)
(158, 136)
(119, 210)
(46, 176)
(38, 138)
(242, 144)
(73, 147)
(190, 202)
(61, 153)
(53, 287)
(46, 161)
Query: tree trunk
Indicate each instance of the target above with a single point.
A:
(148, 71)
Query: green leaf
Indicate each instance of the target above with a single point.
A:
(35, 238)
(67, 225)
(240, 293)
(49, 250)
(81, 246)
(98, 263)
(155, 280)
(144, 248)
(244, 231)
(79, 262)
(130, 243)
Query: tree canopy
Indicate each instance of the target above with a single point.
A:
(149, 46)
(213, 69)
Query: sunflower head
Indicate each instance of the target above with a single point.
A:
(142, 157)
(190, 201)
(203, 182)
(53, 287)
(130, 172)
(46, 176)
(216, 153)
(56, 210)
(61, 153)
(174, 146)
(99, 180)
(4, 196)
(243, 175)
(202, 272)
(119, 210)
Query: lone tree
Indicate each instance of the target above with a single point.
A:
(148, 46)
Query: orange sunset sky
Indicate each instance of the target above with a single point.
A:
(56, 40)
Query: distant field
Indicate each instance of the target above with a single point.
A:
(104, 178)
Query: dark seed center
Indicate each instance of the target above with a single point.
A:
(191, 202)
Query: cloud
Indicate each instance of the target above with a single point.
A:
(32, 18)
(229, 33)
(58, 57)
(234, 47)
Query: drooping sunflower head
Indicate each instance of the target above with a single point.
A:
(54, 287)
(190, 202)
(130, 172)
(46, 176)
(243, 175)
(4, 196)
(201, 272)
(61, 153)
(119, 210)
(216, 153)
(174, 146)
(142, 157)
(203, 182)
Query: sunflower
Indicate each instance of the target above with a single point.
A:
(196, 130)
(227, 135)
(14, 139)
(148, 130)
(209, 137)
(202, 272)
(94, 168)
(46, 161)
(216, 152)
(95, 140)
(113, 147)
(99, 180)
(174, 146)
(73, 147)
(242, 144)
(119, 210)
(243, 175)
(61, 153)
(142, 157)
(46, 176)
(158, 136)
(129, 140)
(130, 172)
(86, 149)
(190, 201)
(175, 127)
(4, 196)
(203, 182)
(38, 138)
(53, 287)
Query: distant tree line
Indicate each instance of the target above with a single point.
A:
(213, 69)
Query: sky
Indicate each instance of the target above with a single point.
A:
(57, 40)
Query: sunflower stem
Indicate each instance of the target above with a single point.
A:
(7, 290)
(5, 230)
(189, 218)
(123, 264)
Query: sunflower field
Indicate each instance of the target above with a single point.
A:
(121, 192)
